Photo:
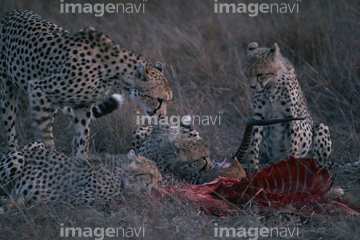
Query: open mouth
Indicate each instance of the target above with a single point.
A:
(154, 112)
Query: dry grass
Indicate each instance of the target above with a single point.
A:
(202, 53)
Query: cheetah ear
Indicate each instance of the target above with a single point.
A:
(275, 49)
(236, 162)
(131, 155)
(226, 163)
(134, 158)
(159, 66)
(252, 46)
(140, 74)
(177, 146)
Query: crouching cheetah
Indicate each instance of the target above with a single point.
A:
(175, 150)
(37, 174)
(59, 68)
(278, 95)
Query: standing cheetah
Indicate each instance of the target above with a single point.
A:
(58, 68)
(278, 95)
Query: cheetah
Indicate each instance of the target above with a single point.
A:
(175, 150)
(36, 174)
(58, 68)
(278, 95)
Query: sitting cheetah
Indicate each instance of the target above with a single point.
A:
(58, 68)
(177, 150)
(278, 95)
(37, 174)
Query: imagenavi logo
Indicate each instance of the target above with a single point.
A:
(253, 9)
(254, 233)
(99, 233)
(99, 9)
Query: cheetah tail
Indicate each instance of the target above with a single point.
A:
(240, 153)
(108, 106)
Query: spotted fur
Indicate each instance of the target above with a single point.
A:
(278, 95)
(175, 150)
(40, 175)
(58, 68)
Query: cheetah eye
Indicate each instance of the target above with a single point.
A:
(259, 75)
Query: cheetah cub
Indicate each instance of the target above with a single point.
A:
(278, 95)
(175, 150)
(36, 174)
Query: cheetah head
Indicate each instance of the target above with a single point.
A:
(151, 90)
(143, 173)
(192, 158)
(261, 65)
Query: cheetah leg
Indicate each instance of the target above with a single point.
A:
(11, 166)
(253, 157)
(321, 144)
(42, 115)
(294, 139)
(82, 121)
(9, 105)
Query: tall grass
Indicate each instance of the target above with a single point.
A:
(203, 54)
